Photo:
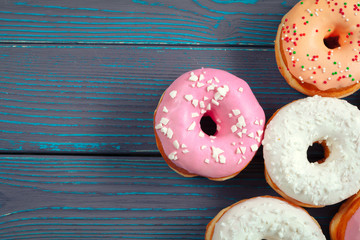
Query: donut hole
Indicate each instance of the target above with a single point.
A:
(317, 152)
(332, 41)
(208, 125)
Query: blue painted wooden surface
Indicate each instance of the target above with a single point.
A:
(79, 82)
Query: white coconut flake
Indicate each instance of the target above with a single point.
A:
(194, 115)
(199, 84)
(195, 102)
(165, 110)
(176, 144)
(223, 90)
(217, 96)
(234, 128)
(201, 134)
(201, 77)
(259, 132)
(215, 102)
(169, 133)
(241, 122)
(236, 112)
(164, 121)
(243, 149)
(193, 77)
(172, 156)
(192, 126)
(222, 159)
(188, 97)
(173, 94)
(254, 147)
(216, 153)
(207, 161)
(210, 87)
(164, 130)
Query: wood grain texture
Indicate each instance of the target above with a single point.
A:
(142, 22)
(117, 197)
(94, 100)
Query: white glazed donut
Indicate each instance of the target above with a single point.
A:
(263, 218)
(292, 130)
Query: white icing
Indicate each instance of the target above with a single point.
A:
(296, 127)
(266, 218)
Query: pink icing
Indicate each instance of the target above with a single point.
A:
(352, 231)
(229, 101)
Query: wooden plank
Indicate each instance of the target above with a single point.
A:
(60, 197)
(74, 99)
(189, 22)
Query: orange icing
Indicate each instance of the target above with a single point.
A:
(320, 42)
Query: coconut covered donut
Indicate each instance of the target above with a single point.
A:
(292, 130)
(208, 123)
(318, 47)
(263, 218)
(346, 223)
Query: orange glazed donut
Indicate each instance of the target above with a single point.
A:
(346, 223)
(317, 47)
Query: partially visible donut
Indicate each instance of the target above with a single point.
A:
(292, 130)
(263, 217)
(318, 47)
(345, 225)
(236, 121)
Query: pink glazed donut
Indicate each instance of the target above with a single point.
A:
(208, 123)
(345, 225)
